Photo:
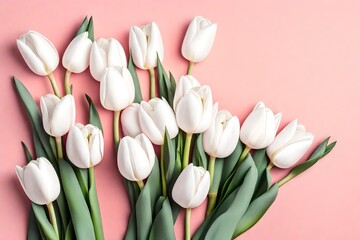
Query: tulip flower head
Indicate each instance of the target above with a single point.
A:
(58, 115)
(38, 52)
(195, 110)
(85, 145)
(191, 187)
(117, 89)
(77, 54)
(136, 157)
(130, 120)
(220, 139)
(145, 44)
(260, 127)
(106, 53)
(199, 39)
(155, 116)
(39, 181)
(289, 145)
(184, 85)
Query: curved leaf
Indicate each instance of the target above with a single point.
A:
(163, 227)
(132, 69)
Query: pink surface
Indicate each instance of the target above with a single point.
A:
(300, 57)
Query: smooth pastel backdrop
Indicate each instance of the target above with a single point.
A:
(300, 57)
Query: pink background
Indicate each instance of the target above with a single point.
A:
(300, 57)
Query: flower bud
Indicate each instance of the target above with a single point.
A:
(222, 136)
(191, 187)
(130, 120)
(39, 181)
(77, 54)
(117, 89)
(289, 145)
(260, 127)
(58, 115)
(145, 44)
(199, 39)
(155, 116)
(136, 157)
(185, 83)
(195, 110)
(85, 145)
(38, 52)
(106, 53)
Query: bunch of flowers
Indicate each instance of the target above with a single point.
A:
(204, 153)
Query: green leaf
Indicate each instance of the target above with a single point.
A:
(69, 233)
(230, 163)
(321, 151)
(169, 156)
(94, 117)
(219, 164)
(83, 27)
(79, 211)
(199, 156)
(256, 210)
(94, 206)
(33, 231)
(83, 179)
(173, 83)
(166, 86)
(27, 152)
(43, 223)
(90, 29)
(131, 231)
(132, 70)
(146, 202)
(163, 227)
(264, 176)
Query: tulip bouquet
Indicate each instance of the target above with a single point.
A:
(203, 151)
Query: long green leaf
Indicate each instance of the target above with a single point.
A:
(199, 155)
(163, 227)
(33, 231)
(230, 163)
(131, 231)
(256, 210)
(132, 69)
(44, 225)
(94, 206)
(94, 117)
(80, 214)
(69, 233)
(169, 156)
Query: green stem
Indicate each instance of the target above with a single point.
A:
(190, 67)
(94, 208)
(244, 153)
(186, 150)
(67, 82)
(52, 217)
(141, 184)
(54, 85)
(212, 195)
(187, 224)
(59, 147)
(270, 166)
(162, 169)
(116, 129)
(152, 83)
(284, 180)
(211, 203)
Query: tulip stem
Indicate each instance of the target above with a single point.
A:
(244, 153)
(212, 195)
(67, 82)
(59, 148)
(186, 150)
(152, 83)
(187, 224)
(211, 168)
(54, 85)
(284, 180)
(116, 129)
(162, 168)
(52, 217)
(190, 67)
(141, 184)
(211, 202)
(270, 166)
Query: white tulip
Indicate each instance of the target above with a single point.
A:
(145, 44)
(117, 89)
(130, 120)
(260, 127)
(58, 115)
(191, 187)
(77, 54)
(154, 117)
(185, 83)
(106, 53)
(136, 157)
(39, 181)
(195, 110)
(38, 52)
(289, 145)
(85, 145)
(199, 39)
(222, 136)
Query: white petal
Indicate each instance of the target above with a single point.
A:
(77, 148)
(202, 188)
(184, 187)
(63, 116)
(138, 46)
